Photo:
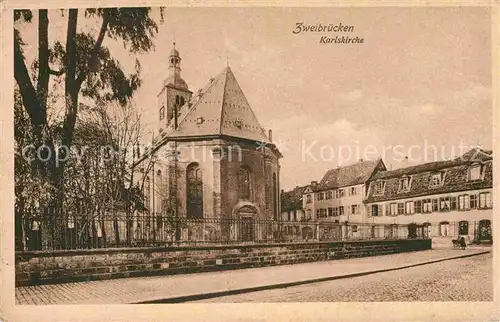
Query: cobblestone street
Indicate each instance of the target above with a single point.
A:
(438, 281)
(463, 279)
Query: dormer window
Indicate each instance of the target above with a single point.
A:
(436, 180)
(476, 172)
(378, 187)
(404, 184)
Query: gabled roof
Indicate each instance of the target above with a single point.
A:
(292, 200)
(354, 174)
(455, 177)
(220, 108)
(474, 155)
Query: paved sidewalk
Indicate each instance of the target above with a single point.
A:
(178, 288)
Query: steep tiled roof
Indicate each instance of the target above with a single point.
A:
(292, 200)
(354, 174)
(220, 108)
(455, 177)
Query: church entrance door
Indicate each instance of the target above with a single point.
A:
(246, 216)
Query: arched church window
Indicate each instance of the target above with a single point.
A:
(275, 196)
(162, 112)
(147, 187)
(245, 183)
(177, 100)
(194, 183)
(159, 195)
(182, 101)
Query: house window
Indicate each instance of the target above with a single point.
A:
(435, 205)
(393, 209)
(354, 209)
(427, 205)
(335, 211)
(322, 213)
(453, 203)
(463, 228)
(321, 196)
(401, 208)
(444, 228)
(418, 206)
(404, 184)
(162, 113)
(375, 211)
(340, 193)
(330, 211)
(194, 200)
(409, 207)
(341, 210)
(444, 204)
(473, 201)
(354, 229)
(329, 194)
(463, 202)
(378, 188)
(308, 199)
(309, 214)
(245, 185)
(475, 172)
(436, 180)
(352, 191)
(485, 200)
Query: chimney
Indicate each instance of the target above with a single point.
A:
(360, 160)
(314, 183)
(270, 135)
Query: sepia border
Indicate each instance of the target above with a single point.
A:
(420, 311)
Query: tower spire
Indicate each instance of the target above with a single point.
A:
(174, 76)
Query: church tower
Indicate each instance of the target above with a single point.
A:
(174, 93)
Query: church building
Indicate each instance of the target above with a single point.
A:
(210, 159)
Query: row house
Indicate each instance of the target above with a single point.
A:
(296, 224)
(448, 198)
(338, 197)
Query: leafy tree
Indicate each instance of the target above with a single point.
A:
(89, 71)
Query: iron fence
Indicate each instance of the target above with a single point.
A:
(89, 232)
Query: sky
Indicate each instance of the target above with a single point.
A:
(419, 85)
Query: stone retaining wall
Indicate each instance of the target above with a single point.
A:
(44, 267)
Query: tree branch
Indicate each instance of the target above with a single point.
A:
(71, 92)
(95, 51)
(43, 59)
(28, 92)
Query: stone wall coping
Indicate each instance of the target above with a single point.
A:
(25, 255)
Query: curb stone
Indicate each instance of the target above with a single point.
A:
(208, 295)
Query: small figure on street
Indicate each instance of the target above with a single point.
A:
(462, 242)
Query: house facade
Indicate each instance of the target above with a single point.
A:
(338, 197)
(439, 199)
